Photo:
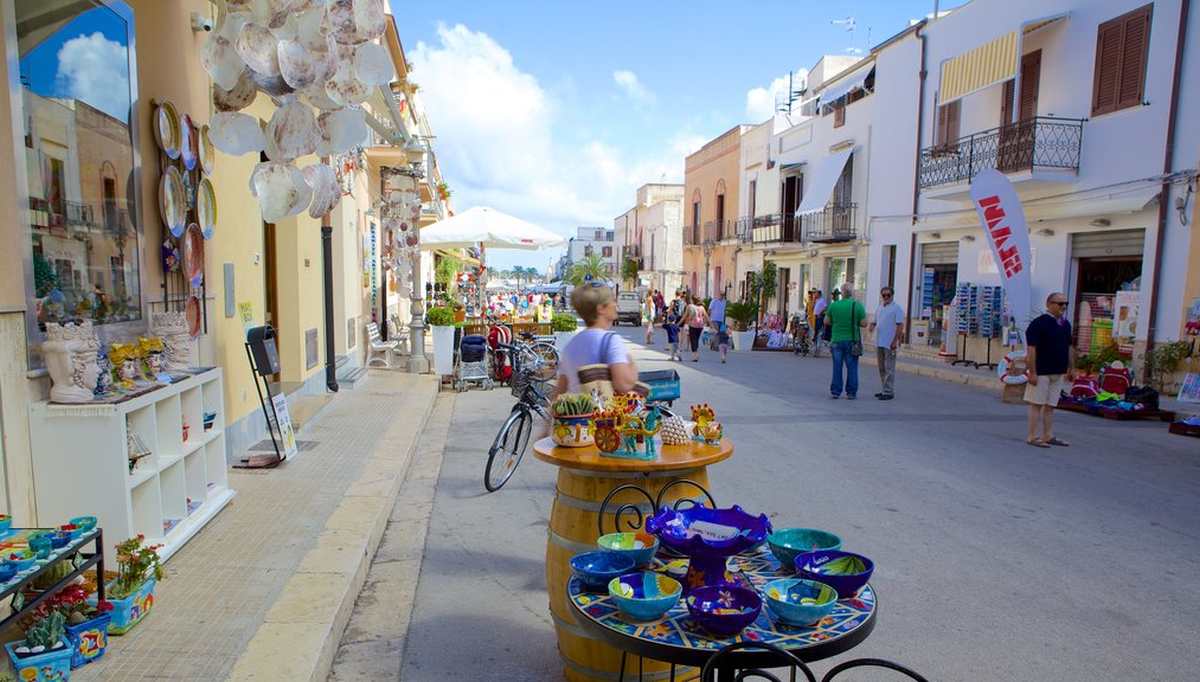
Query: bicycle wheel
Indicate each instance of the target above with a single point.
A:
(507, 450)
(548, 354)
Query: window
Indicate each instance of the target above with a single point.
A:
(80, 161)
(606, 251)
(753, 194)
(587, 251)
(947, 133)
(839, 115)
(1119, 79)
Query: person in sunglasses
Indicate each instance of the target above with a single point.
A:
(1050, 359)
(888, 327)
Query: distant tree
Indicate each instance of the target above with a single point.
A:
(629, 271)
(591, 267)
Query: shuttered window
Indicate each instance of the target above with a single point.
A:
(1122, 44)
(948, 123)
(839, 115)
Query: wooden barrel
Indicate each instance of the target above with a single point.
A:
(573, 530)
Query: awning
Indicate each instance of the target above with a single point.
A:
(1038, 24)
(991, 63)
(824, 176)
(845, 86)
(1129, 200)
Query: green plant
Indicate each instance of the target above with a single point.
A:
(590, 268)
(563, 322)
(629, 270)
(1163, 360)
(440, 316)
(1086, 364)
(45, 279)
(444, 190)
(762, 285)
(573, 405)
(446, 272)
(46, 631)
(742, 313)
(135, 563)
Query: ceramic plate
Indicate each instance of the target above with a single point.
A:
(187, 142)
(172, 204)
(193, 315)
(206, 208)
(166, 128)
(208, 157)
(193, 255)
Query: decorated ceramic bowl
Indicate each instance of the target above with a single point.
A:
(7, 571)
(22, 559)
(799, 602)
(724, 610)
(595, 569)
(86, 524)
(572, 431)
(39, 543)
(638, 546)
(73, 531)
(846, 572)
(644, 595)
(701, 531)
(59, 539)
(786, 543)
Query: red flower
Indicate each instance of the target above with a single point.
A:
(104, 606)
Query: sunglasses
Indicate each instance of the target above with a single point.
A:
(1061, 303)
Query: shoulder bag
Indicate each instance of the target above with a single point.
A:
(596, 379)
(856, 347)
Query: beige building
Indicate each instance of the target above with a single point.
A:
(710, 195)
(650, 234)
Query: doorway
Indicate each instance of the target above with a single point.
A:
(783, 299)
(270, 277)
(789, 202)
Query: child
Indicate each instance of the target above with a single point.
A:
(723, 340)
(671, 326)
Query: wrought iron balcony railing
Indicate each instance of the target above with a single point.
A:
(777, 227)
(835, 223)
(717, 230)
(691, 235)
(1040, 142)
(79, 214)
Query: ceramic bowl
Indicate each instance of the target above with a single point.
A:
(846, 572)
(799, 602)
(22, 559)
(786, 543)
(701, 531)
(724, 610)
(7, 571)
(638, 546)
(85, 524)
(595, 569)
(5, 523)
(71, 530)
(644, 595)
(59, 539)
(39, 543)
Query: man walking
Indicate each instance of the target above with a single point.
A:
(888, 326)
(716, 315)
(1050, 359)
(819, 326)
(846, 317)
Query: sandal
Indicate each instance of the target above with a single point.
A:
(1036, 444)
(1060, 443)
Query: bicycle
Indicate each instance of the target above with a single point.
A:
(513, 437)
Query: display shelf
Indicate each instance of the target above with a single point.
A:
(82, 467)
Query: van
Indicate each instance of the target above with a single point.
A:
(629, 308)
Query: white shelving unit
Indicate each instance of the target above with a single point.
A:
(81, 463)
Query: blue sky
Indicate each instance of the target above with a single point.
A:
(86, 60)
(556, 111)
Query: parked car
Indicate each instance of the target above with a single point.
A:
(629, 308)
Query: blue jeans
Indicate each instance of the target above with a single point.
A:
(842, 356)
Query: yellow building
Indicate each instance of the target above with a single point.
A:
(710, 206)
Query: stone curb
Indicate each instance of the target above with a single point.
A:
(300, 634)
(941, 373)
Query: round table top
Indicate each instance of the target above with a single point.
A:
(676, 639)
(690, 455)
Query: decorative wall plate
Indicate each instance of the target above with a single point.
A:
(208, 156)
(206, 207)
(193, 255)
(192, 311)
(166, 129)
(172, 202)
(187, 142)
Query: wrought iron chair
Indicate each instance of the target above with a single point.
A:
(722, 658)
(872, 663)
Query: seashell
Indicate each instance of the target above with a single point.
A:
(236, 133)
(304, 192)
(351, 22)
(218, 55)
(326, 193)
(310, 28)
(275, 189)
(256, 46)
(341, 131)
(239, 97)
(344, 88)
(251, 9)
(373, 64)
(292, 131)
(274, 86)
(298, 67)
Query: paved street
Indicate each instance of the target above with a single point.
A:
(995, 560)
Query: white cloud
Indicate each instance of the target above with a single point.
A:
(628, 82)
(498, 141)
(760, 102)
(95, 70)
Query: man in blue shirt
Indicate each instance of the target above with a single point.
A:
(1050, 359)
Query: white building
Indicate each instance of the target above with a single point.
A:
(594, 241)
(651, 233)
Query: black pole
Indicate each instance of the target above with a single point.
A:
(331, 382)
(383, 316)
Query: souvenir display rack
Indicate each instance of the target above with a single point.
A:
(15, 587)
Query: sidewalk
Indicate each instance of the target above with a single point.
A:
(265, 590)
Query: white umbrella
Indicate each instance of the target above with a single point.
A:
(489, 227)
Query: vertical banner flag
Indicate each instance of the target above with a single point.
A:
(1003, 221)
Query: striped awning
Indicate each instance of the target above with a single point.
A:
(991, 63)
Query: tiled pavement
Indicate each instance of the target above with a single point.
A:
(222, 584)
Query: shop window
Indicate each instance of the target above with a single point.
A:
(76, 90)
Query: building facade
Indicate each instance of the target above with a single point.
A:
(595, 241)
(651, 235)
(710, 200)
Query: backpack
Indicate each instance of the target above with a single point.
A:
(1084, 388)
(1115, 378)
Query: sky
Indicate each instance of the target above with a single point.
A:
(556, 112)
(86, 60)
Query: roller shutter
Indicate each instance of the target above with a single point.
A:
(1108, 243)
(939, 253)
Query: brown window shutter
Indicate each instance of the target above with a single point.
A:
(839, 115)
(939, 137)
(1133, 58)
(1006, 103)
(953, 120)
(1108, 65)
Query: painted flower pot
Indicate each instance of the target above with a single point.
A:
(130, 611)
(88, 640)
(443, 349)
(572, 432)
(48, 666)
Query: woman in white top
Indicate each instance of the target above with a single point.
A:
(648, 318)
(597, 344)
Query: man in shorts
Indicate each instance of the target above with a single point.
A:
(1050, 359)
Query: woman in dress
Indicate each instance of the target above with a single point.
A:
(695, 318)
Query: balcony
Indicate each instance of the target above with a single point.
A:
(1042, 143)
(833, 224)
(631, 251)
(776, 228)
(691, 235)
(718, 230)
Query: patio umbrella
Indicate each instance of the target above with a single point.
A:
(489, 227)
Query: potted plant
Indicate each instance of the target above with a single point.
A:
(132, 593)
(742, 315)
(443, 191)
(572, 419)
(441, 321)
(86, 623)
(564, 326)
(43, 655)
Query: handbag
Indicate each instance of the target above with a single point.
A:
(596, 379)
(856, 347)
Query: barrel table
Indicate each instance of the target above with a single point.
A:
(585, 478)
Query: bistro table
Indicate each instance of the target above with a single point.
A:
(585, 479)
(677, 640)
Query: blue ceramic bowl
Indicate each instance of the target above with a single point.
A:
(595, 569)
(85, 524)
(799, 602)
(787, 543)
(21, 559)
(644, 595)
(7, 571)
(846, 572)
(640, 549)
(39, 543)
(724, 610)
(59, 539)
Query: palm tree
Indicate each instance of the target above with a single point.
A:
(592, 267)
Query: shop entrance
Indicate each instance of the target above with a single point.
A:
(270, 280)
(1105, 263)
(785, 286)
(939, 277)
(837, 272)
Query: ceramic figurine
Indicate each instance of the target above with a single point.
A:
(70, 351)
(151, 350)
(104, 381)
(172, 328)
(125, 359)
(170, 256)
(703, 414)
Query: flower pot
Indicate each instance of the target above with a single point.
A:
(572, 432)
(443, 349)
(460, 315)
(743, 341)
(561, 339)
(130, 611)
(48, 666)
(88, 640)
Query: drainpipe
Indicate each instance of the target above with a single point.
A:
(916, 197)
(327, 275)
(1164, 207)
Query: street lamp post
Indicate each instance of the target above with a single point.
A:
(708, 249)
(418, 363)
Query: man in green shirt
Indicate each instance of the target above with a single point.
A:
(846, 318)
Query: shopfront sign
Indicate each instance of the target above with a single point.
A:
(1003, 220)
